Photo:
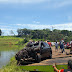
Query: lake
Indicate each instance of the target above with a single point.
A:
(6, 53)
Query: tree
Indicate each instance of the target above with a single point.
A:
(11, 32)
(0, 32)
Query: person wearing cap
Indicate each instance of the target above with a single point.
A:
(64, 70)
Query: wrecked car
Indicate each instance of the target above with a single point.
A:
(34, 52)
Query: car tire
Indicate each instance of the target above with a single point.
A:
(38, 58)
(50, 57)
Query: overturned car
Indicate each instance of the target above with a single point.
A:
(33, 52)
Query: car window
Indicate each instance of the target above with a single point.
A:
(46, 45)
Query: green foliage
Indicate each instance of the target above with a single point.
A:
(0, 32)
(45, 34)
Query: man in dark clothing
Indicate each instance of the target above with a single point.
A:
(64, 70)
(62, 46)
(71, 47)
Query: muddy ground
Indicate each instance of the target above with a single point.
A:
(57, 57)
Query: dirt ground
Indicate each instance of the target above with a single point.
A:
(57, 57)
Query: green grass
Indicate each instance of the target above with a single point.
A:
(9, 40)
(48, 68)
(9, 43)
(12, 67)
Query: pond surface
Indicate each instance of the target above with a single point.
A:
(6, 53)
(5, 56)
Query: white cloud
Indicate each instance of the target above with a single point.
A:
(14, 27)
(58, 3)
(48, 3)
(18, 24)
(22, 1)
(66, 26)
(36, 22)
(62, 3)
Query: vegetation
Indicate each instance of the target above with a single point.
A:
(12, 65)
(0, 32)
(45, 34)
(10, 40)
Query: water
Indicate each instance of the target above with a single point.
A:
(6, 53)
(5, 57)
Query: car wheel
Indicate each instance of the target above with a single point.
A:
(50, 57)
(38, 58)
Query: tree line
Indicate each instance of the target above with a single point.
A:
(45, 34)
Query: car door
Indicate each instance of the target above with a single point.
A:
(42, 49)
(47, 49)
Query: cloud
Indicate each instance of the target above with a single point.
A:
(18, 24)
(6, 29)
(44, 3)
(66, 26)
(22, 1)
(62, 3)
(57, 3)
(36, 22)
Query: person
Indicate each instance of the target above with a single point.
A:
(56, 46)
(49, 43)
(71, 47)
(62, 46)
(64, 70)
(63, 50)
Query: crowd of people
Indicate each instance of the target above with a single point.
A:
(61, 44)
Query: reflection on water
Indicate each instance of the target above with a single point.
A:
(5, 56)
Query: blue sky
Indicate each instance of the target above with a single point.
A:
(35, 14)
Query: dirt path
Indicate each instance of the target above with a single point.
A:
(57, 57)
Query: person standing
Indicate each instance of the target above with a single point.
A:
(62, 46)
(71, 47)
(63, 50)
(56, 46)
(49, 43)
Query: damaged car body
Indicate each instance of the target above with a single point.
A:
(34, 52)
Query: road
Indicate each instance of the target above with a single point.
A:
(57, 57)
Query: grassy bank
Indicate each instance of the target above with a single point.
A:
(9, 40)
(8, 44)
(11, 43)
(12, 65)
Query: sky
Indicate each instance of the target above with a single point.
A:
(35, 14)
